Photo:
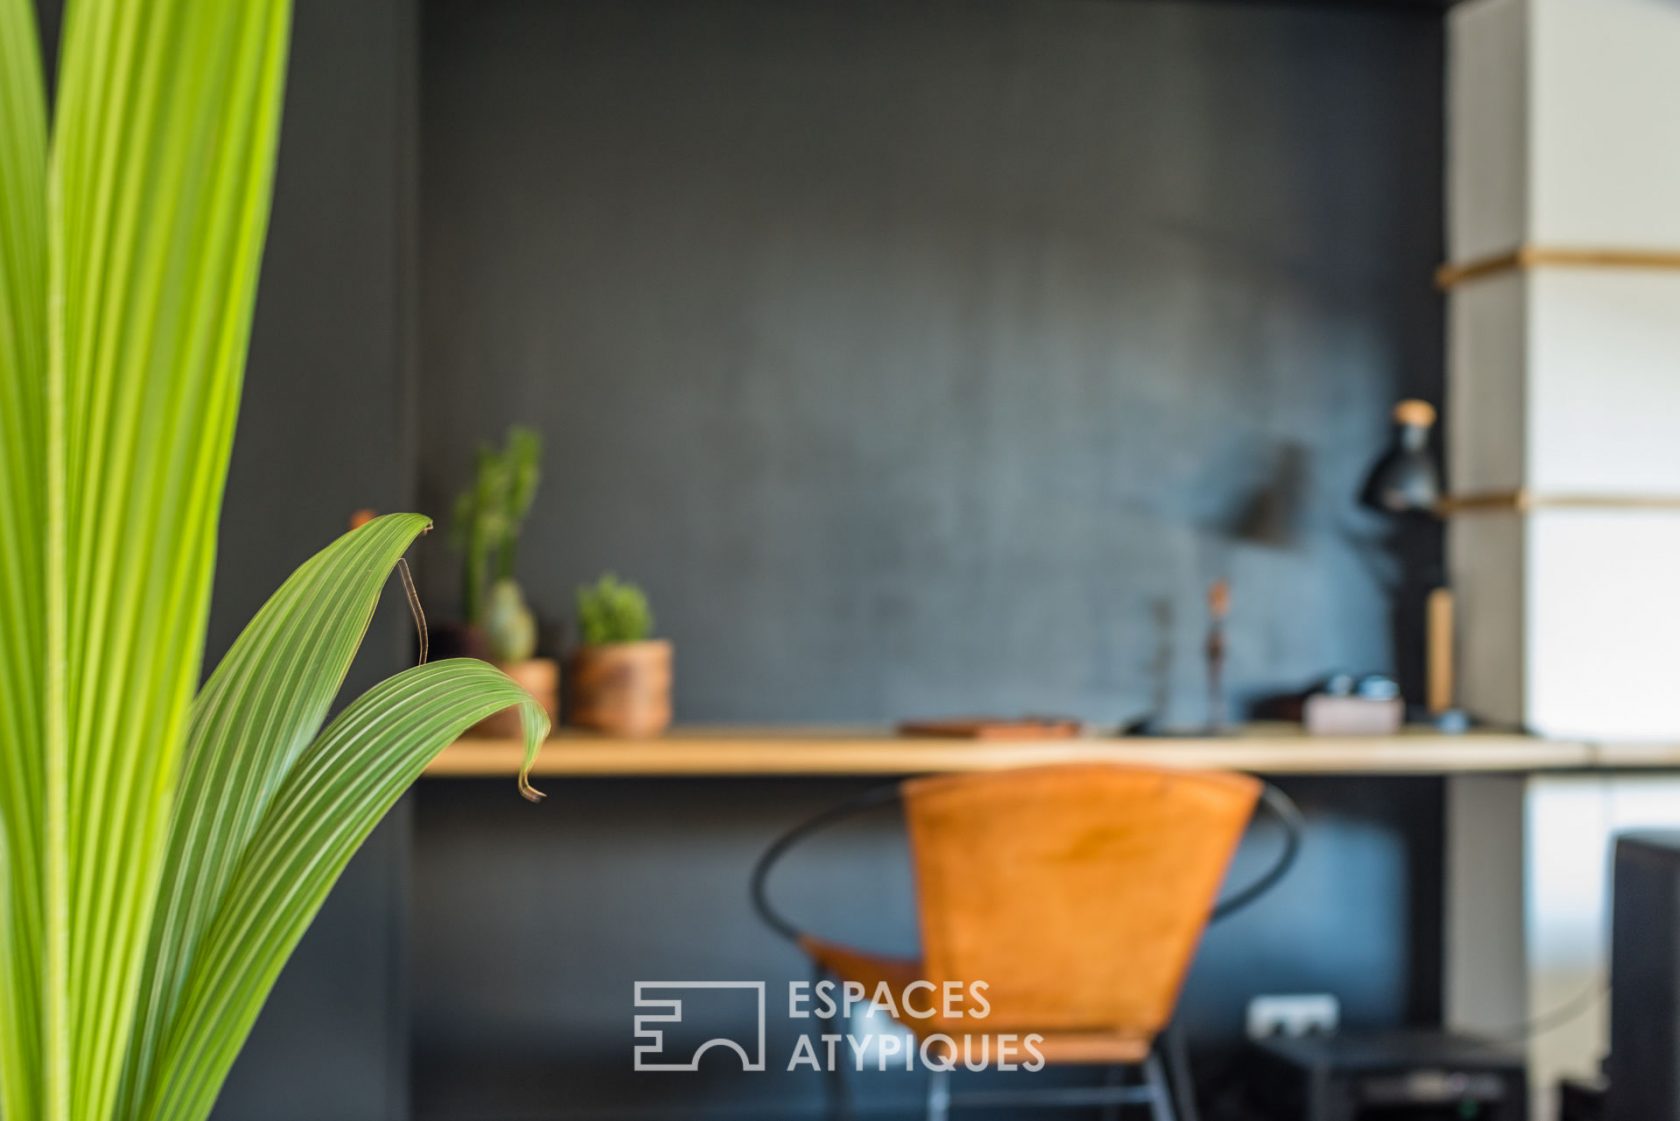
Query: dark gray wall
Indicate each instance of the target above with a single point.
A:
(324, 428)
(933, 357)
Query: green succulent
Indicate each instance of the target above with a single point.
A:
(490, 513)
(510, 630)
(611, 611)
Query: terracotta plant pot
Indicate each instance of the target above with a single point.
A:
(623, 689)
(539, 677)
(457, 640)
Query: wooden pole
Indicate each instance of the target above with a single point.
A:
(1440, 642)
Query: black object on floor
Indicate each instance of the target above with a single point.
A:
(1389, 1076)
(1644, 1062)
(1581, 1099)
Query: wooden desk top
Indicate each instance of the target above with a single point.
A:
(1266, 749)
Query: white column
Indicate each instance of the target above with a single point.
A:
(1564, 381)
(1563, 384)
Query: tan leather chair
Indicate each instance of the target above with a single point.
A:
(1078, 894)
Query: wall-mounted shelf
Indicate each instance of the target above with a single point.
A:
(1522, 501)
(1526, 257)
(1270, 749)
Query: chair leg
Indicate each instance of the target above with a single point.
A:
(1160, 1093)
(939, 1096)
(1114, 1079)
(1178, 1068)
(834, 1083)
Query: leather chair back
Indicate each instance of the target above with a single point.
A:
(1077, 893)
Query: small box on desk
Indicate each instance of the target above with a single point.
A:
(1328, 714)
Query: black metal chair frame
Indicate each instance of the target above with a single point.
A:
(1168, 1098)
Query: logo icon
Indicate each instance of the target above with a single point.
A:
(660, 1003)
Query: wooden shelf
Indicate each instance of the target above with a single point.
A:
(1554, 256)
(1274, 749)
(1522, 501)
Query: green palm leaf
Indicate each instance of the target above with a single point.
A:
(343, 784)
(23, 355)
(250, 724)
(158, 193)
(160, 857)
(256, 714)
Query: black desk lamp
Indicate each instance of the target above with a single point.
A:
(1405, 483)
(1405, 480)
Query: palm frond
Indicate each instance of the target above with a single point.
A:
(160, 856)
(338, 791)
(158, 199)
(23, 431)
(256, 714)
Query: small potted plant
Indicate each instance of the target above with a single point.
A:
(499, 625)
(619, 679)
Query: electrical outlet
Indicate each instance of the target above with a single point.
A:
(1293, 1015)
